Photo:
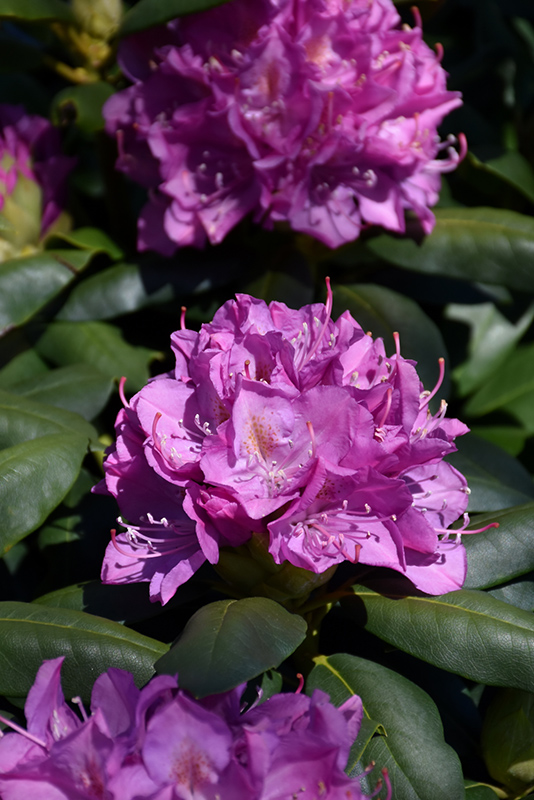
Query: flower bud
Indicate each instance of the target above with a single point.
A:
(99, 18)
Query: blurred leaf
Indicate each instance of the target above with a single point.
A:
(511, 167)
(479, 791)
(490, 245)
(496, 480)
(114, 291)
(512, 383)
(80, 388)
(492, 341)
(22, 419)
(500, 554)
(35, 476)
(231, 641)
(86, 101)
(30, 633)
(465, 632)
(518, 592)
(420, 765)
(27, 284)
(271, 683)
(98, 344)
(26, 364)
(92, 239)
(384, 311)
(148, 13)
(508, 739)
(508, 437)
(36, 10)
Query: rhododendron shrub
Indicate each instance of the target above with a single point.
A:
(285, 423)
(160, 743)
(321, 114)
(33, 175)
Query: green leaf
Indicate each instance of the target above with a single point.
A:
(148, 13)
(479, 791)
(508, 739)
(22, 419)
(496, 480)
(98, 344)
(384, 311)
(231, 641)
(465, 632)
(84, 103)
(490, 245)
(117, 290)
(503, 553)
(493, 340)
(30, 633)
(26, 364)
(35, 476)
(509, 385)
(36, 10)
(508, 437)
(80, 388)
(518, 592)
(28, 284)
(511, 167)
(92, 239)
(420, 765)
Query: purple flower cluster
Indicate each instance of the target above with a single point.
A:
(159, 743)
(320, 113)
(33, 171)
(287, 424)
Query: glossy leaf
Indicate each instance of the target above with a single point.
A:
(420, 765)
(148, 13)
(518, 592)
(84, 103)
(27, 364)
(28, 284)
(98, 344)
(80, 388)
(35, 476)
(496, 480)
(501, 554)
(22, 419)
(383, 311)
(92, 239)
(513, 382)
(493, 339)
(490, 245)
(466, 632)
(479, 791)
(511, 167)
(36, 10)
(231, 641)
(30, 633)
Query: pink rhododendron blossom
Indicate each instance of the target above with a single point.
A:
(159, 743)
(322, 114)
(284, 423)
(33, 174)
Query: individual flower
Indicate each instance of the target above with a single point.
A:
(159, 743)
(284, 424)
(321, 114)
(33, 174)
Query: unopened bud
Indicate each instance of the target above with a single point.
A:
(99, 18)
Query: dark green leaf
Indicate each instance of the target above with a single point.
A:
(28, 284)
(503, 553)
(86, 102)
(271, 683)
(35, 476)
(30, 633)
(420, 765)
(511, 167)
(490, 245)
(27, 364)
(92, 239)
(384, 311)
(231, 641)
(36, 10)
(519, 592)
(98, 344)
(80, 388)
(508, 739)
(509, 437)
(466, 632)
(492, 341)
(496, 479)
(148, 13)
(22, 419)
(513, 382)
(479, 791)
